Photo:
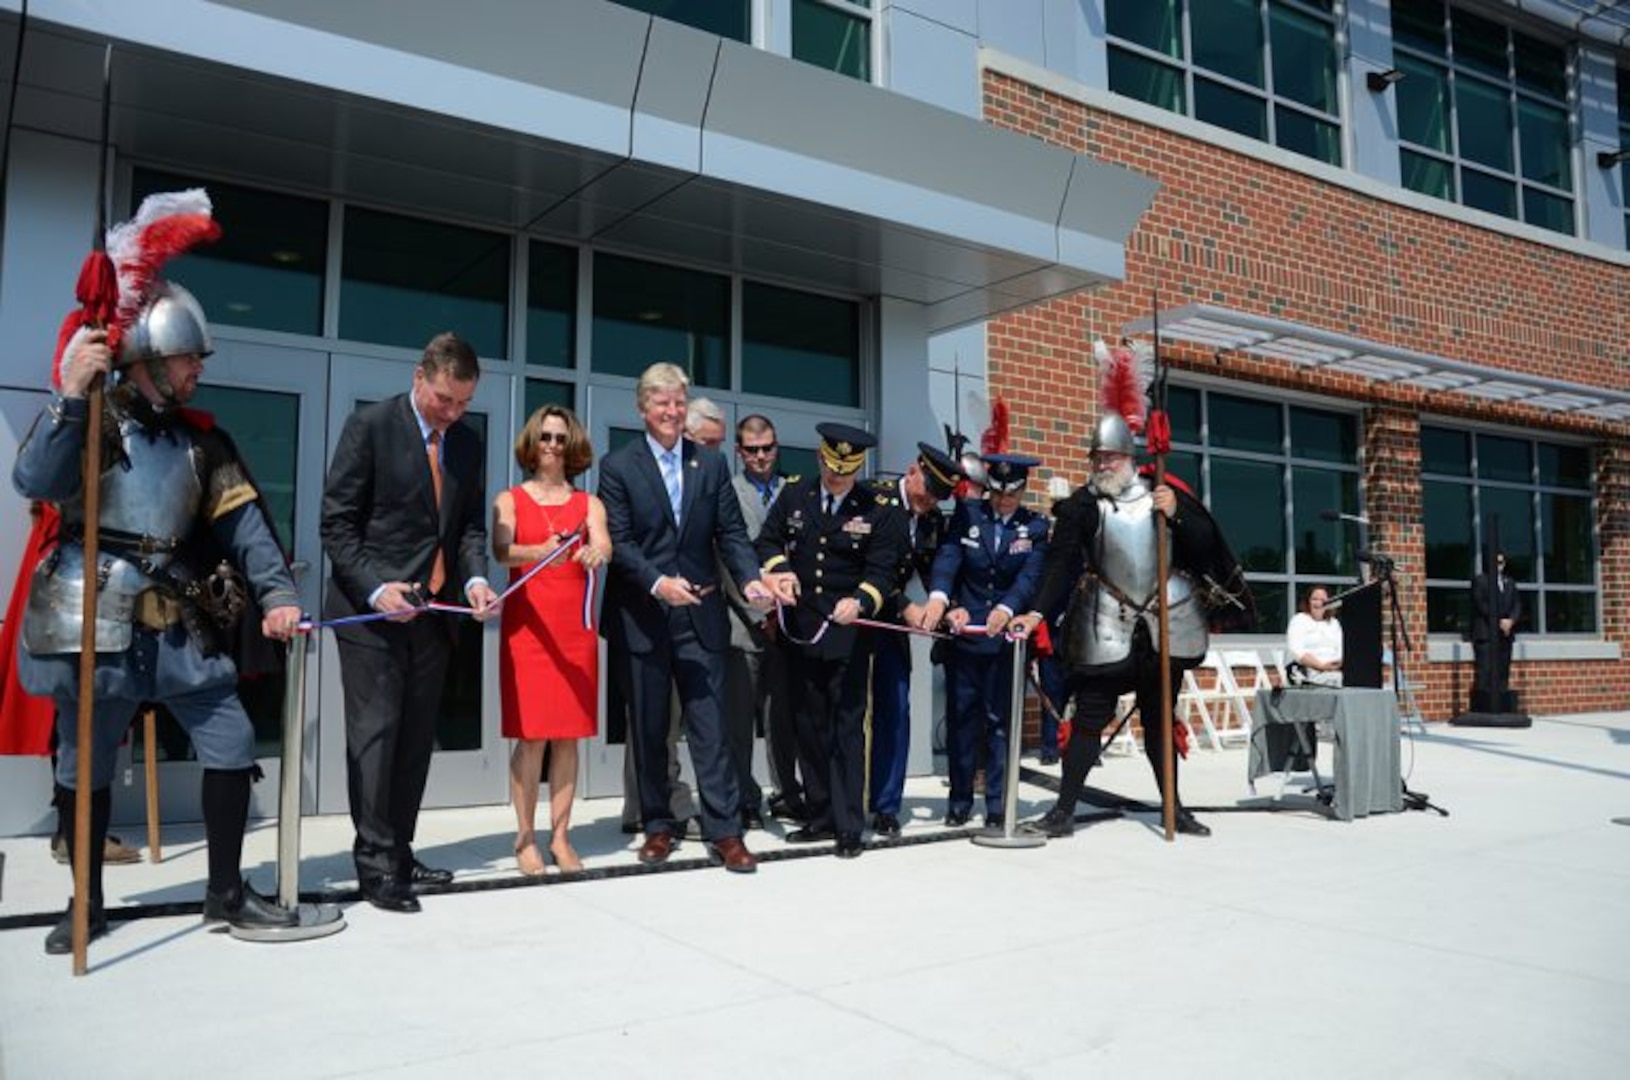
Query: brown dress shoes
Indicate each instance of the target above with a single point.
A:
(733, 855)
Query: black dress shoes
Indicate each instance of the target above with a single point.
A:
(1055, 824)
(995, 822)
(886, 826)
(420, 874)
(1189, 825)
(387, 892)
(955, 819)
(243, 907)
(808, 835)
(787, 809)
(1048, 757)
(751, 817)
(60, 941)
(849, 845)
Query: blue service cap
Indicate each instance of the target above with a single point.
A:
(1008, 472)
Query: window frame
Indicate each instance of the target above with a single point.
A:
(1271, 100)
(1534, 589)
(1456, 74)
(1292, 578)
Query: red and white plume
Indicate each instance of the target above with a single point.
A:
(1124, 374)
(166, 225)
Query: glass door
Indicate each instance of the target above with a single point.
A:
(469, 767)
(269, 399)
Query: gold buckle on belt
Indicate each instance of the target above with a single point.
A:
(156, 611)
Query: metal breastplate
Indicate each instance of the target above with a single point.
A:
(1120, 591)
(1126, 542)
(156, 496)
(153, 496)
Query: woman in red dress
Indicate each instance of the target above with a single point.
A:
(548, 667)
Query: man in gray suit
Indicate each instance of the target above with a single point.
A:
(755, 684)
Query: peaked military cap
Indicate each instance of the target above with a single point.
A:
(843, 448)
(940, 470)
(1008, 472)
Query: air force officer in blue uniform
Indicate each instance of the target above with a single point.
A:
(987, 568)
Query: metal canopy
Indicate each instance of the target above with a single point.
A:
(1309, 346)
(593, 123)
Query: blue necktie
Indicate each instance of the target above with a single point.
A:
(670, 479)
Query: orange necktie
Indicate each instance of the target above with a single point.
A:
(438, 572)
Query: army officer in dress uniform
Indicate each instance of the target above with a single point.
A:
(928, 482)
(988, 567)
(830, 550)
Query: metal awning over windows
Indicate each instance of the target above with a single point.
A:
(1309, 346)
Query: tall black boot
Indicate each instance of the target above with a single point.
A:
(1079, 758)
(61, 938)
(229, 898)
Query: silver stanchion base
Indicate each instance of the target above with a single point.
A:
(1001, 838)
(316, 921)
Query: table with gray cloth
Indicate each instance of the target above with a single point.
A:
(1364, 731)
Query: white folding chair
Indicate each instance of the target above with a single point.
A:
(1124, 742)
(1234, 701)
(1194, 700)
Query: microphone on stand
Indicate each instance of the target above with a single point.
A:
(1337, 515)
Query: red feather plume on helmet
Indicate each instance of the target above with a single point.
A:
(1124, 373)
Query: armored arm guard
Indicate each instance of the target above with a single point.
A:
(48, 463)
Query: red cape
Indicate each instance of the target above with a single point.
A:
(25, 720)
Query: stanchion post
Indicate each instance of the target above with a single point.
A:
(1010, 837)
(313, 920)
(288, 803)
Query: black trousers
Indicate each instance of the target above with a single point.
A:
(1491, 661)
(648, 679)
(830, 721)
(1096, 698)
(392, 698)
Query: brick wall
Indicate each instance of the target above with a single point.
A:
(1231, 230)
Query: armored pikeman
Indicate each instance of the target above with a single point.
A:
(1106, 532)
(179, 529)
(928, 482)
(830, 549)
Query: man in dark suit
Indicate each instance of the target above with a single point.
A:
(403, 522)
(1496, 611)
(674, 519)
(989, 567)
(831, 549)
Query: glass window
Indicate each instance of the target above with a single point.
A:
(1154, 24)
(727, 18)
(799, 345)
(1269, 497)
(1227, 36)
(541, 392)
(1473, 483)
(267, 269)
(405, 280)
(1323, 436)
(1423, 104)
(1263, 68)
(1624, 144)
(835, 35)
(1137, 77)
(1508, 95)
(645, 312)
(1241, 423)
(551, 305)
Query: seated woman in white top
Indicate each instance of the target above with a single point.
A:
(1313, 642)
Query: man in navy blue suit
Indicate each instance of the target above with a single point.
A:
(988, 566)
(669, 507)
